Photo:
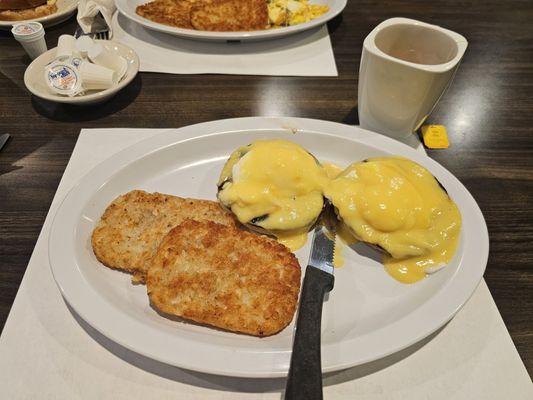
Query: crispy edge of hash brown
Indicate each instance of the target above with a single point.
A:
(225, 277)
(168, 12)
(134, 224)
(229, 15)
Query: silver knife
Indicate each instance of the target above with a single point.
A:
(3, 139)
(305, 372)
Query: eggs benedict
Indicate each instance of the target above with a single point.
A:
(274, 187)
(398, 206)
(391, 203)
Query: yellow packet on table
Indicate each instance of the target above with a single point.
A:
(435, 137)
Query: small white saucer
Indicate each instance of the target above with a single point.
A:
(34, 77)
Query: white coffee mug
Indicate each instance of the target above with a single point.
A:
(405, 68)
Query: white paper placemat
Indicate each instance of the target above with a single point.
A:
(48, 353)
(306, 54)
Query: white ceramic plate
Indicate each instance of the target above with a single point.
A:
(35, 82)
(127, 7)
(65, 8)
(368, 315)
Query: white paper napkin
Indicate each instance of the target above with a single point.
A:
(95, 15)
(47, 353)
(306, 54)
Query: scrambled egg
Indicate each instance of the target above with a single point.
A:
(292, 12)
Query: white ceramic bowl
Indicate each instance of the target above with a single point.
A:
(65, 8)
(35, 82)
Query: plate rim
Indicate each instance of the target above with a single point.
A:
(122, 7)
(220, 127)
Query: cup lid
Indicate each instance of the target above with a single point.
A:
(26, 29)
(63, 78)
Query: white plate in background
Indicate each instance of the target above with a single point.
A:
(368, 314)
(65, 8)
(127, 7)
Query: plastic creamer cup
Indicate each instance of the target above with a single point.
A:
(31, 36)
(83, 45)
(65, 46)
(63, 78)
(96, 77)
(101, 56)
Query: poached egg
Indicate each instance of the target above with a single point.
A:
(274, 186)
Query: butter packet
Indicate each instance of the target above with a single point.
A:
(435, 137)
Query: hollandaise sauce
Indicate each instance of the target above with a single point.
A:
(332, 170)
(275, 185)
(399, 206)
(293, 240)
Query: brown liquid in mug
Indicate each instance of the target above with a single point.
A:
(416, 56)
(416, 44)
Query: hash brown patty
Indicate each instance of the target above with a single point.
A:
(230, 15)
(225, 277)
(133, 225)
(169, 12)
(208, 15)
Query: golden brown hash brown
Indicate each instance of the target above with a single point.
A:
(230, 15)
(225, 277)
(168, 12)
(29, 13)
(133, 225)
(208, 15)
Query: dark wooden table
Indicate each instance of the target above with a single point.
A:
(488, 112)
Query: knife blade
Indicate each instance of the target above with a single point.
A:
(305, 372)
(3, 139)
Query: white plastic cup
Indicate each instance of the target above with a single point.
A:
(31, 36)
(65, 46)
(101, 56)
(96, 77)
(406, 66)
(83, 45)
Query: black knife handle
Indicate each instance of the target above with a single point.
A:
(305, 373)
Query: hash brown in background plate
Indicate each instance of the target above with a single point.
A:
(229, 15)
(169, 12)
(208, 15)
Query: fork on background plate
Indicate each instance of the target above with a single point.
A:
(100, 33)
